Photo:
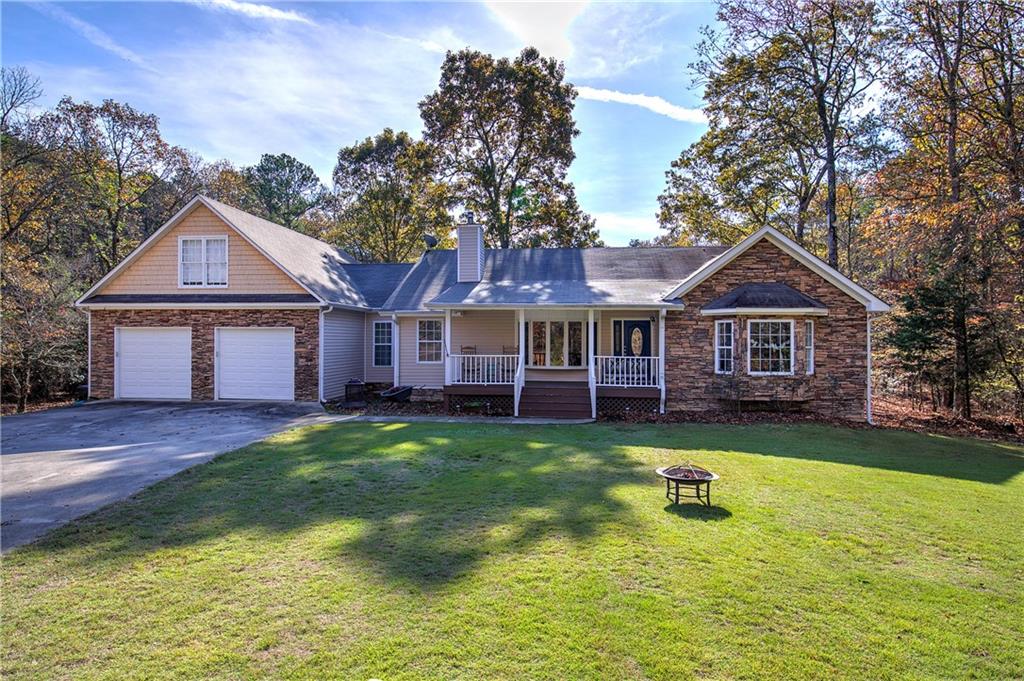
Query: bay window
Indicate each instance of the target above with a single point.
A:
(809, 346)
(769, 347)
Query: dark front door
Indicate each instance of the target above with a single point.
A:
(636, 338)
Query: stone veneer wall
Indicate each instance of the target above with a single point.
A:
(203, 323)
(839, 383)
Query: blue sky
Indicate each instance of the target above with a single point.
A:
(234, 79)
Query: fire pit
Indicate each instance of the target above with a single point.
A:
(691, 478)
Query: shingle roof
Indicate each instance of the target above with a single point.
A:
(317, 265)
(552, 276)
(375, 281)
(765, 296)
(434, 272)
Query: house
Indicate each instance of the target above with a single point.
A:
(219, 304)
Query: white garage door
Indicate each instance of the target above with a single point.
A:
(154, 363)
(256, 364)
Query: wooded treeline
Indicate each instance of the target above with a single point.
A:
(889, 139)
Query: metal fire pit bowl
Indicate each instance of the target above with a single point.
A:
(687, 481)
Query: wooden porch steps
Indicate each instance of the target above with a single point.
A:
(555, 399)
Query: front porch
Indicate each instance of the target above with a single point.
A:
(573, 363)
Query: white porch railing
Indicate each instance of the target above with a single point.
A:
(627, 372)
(482, 369)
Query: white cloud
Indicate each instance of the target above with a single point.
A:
(543, 25)
(609, 39)
(617, 229)
(303, 90)
(253, 10)
(90, 33)
(649, 102)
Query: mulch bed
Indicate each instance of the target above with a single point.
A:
(888, 413)
(385, 408)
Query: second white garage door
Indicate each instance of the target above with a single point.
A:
(255, 363)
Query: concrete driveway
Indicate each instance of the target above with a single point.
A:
(63, 463)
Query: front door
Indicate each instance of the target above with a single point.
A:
(636, 338)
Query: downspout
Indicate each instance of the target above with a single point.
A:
(320, 352)
(88, 367)
(870, 419)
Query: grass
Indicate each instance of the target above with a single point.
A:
(450, 551)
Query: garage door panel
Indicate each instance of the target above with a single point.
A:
(256, 363)
(154, 363)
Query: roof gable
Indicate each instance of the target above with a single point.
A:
(790, 247)
(316, 267)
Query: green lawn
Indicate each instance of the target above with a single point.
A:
(450, 551)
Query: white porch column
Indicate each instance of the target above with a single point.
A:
(447, 346)
(662, 354)
(591, 369)
(396, 358)
(521, 368)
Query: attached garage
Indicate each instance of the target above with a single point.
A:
(255, 363)
(153, 363)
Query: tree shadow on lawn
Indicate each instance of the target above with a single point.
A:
(417, 507)
(423, 504)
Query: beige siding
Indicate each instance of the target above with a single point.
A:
(343, 350)
(156, 270)
(488, 330)
(411, 372)
(604, 333)
(375, 374)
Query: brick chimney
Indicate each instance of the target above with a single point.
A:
(470, 237)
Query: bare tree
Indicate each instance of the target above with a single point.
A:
(19, 90)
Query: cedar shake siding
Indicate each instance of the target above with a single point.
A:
(156, 270)
(203, 322)
(836, 389)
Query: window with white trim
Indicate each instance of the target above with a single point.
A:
(724, 346)
(769, 347)
(382, 344)
(203, 261)
(809, 346)
(429, 341)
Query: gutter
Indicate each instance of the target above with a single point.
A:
(565, 306)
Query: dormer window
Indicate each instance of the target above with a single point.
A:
(203, 261)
